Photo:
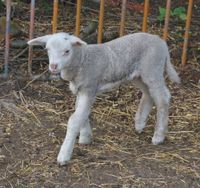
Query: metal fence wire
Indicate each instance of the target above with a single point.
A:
(100, 27)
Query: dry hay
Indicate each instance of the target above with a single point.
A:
(33, 125)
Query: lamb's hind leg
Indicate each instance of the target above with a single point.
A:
(161, 96)
(145, 106)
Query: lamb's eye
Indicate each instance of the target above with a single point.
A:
(66, 51)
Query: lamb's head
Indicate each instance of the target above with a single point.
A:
(60, 48)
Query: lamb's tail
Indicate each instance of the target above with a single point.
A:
(171, 72)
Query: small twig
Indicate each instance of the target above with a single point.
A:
(34, 79)
(19, 54)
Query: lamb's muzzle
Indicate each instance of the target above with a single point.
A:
(91, 69)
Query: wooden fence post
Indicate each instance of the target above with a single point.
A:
(123, 14)
(101, 16)
(187, 30)
(145, 17)
(31, 31)
(55, 16)
(78, 17)
(7, 38)
(167, 16)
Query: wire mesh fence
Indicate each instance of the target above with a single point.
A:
(78, 17)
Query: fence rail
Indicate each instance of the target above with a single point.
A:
(100, 27)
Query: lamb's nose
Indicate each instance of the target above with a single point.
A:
(53, 66)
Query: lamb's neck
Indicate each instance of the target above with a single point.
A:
(70, 72)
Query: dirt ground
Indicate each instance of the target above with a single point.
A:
(33, 119)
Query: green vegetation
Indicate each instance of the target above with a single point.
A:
(177, 13)
(1, 5)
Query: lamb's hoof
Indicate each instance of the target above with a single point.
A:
(85, 140)
(139, 128)
(63, 159)
(158, 139)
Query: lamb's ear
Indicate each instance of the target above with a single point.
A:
(75, 41)
(39, 41)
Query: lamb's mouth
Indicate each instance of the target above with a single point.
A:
(55, 71)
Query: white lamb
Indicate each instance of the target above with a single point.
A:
(91, 69)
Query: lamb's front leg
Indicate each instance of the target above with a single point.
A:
(85, 133)
(76, 121)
